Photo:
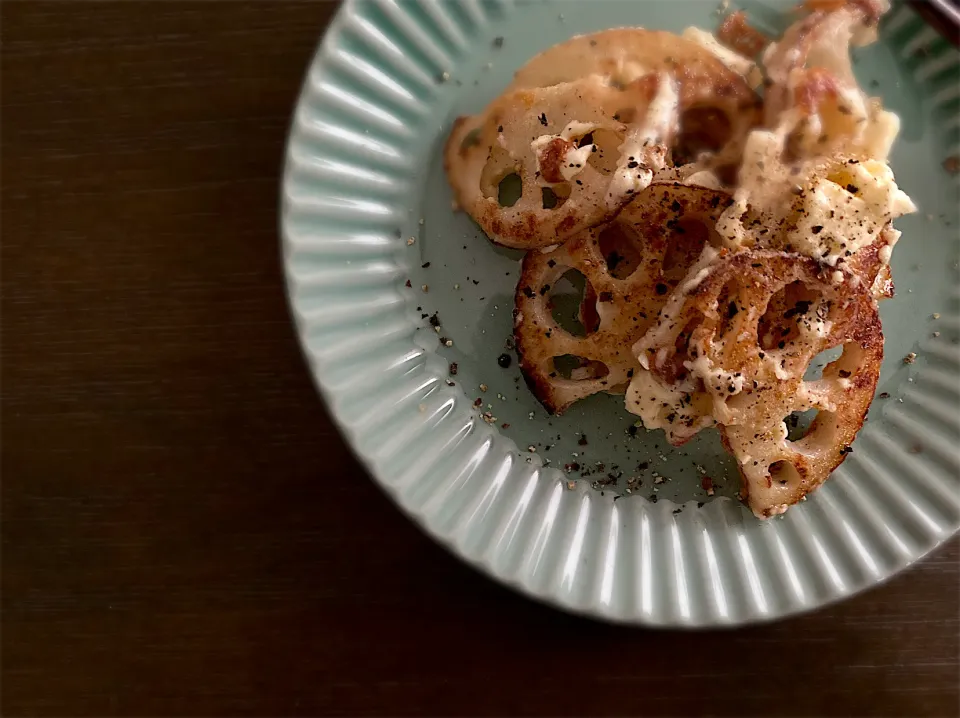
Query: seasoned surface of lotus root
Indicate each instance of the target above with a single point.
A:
(560, 143)
(717, 106)
(741, 343)
(630, 267)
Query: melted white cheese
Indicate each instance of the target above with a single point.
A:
(826, 213)
(575, 159)
(714, 378)
(644, 149)
(845, 211)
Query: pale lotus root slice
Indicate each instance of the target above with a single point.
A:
(561, 146)
(717, 106)
(629, 266)
(741, 342)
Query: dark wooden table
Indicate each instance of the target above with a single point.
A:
(185, 533)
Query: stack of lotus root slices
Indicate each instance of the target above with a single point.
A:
(724, 239)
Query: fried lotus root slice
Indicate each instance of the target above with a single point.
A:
(561, 148)
(629, 266)
(812, 84)
(717, 105)
(741, 342)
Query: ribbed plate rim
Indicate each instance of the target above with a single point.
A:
(447, 538)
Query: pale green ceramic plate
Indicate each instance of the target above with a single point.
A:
(363, 175)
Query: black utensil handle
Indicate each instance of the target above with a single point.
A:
(941, 15)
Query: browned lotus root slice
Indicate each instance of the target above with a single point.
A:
(739, 343)
(630, 267)
(717, 106)
(561, 145)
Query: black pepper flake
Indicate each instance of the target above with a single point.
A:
(653, 498)
(817, 229)
(661, 288)
(504, 360)
(642, 466)
(528, 293)
(676, 206)
(544, 289)
(478, 402)
(407, 283)
(543, 118)
(852, 188)
(632, 430)
(454, 368)
(846, 450)
(498, 42)
(605, 296)
(884, 395)
(843, 373)
(434, 320)
(582, 441)
(551, 263)
(633, 165)
(677, 511)
(732, 310)
(699, 504)
(781, 345)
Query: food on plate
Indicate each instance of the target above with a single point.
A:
(561, 146)
(735, 349)
(591, 122)
(723, 241)
(631, 265)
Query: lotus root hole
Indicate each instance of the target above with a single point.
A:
(620, 250)
(799, 424)
(784, 473)
(811, 432)
(555, 195)
(847, 364)
(576, 368)
(685, 243)
(702, 129)
(815, 369)
(499, 179)
(565, 301)
(790, 309)
(509, 190)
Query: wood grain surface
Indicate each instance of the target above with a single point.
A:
(184, 531)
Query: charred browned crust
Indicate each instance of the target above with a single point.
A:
(657, 224)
